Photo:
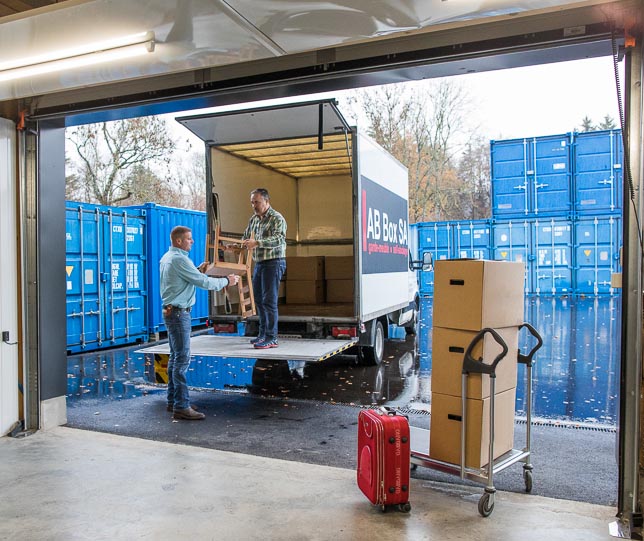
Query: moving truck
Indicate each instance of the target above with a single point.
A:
(349, 273)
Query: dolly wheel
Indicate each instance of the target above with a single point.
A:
(527, 477)
(486, 504)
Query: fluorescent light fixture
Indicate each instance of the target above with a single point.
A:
(84, 55)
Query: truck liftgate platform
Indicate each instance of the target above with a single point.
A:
(295, 349)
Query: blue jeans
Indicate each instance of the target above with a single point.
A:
(266, 283)
(178, 323)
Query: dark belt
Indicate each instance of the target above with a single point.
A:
(178, 308)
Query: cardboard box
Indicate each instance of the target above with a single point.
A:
(448, 351)
(339, 290)
(339, 267)
(304, 291)
(445, 430)
(305, 268)
(472, 294)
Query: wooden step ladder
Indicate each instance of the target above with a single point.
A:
(241, 266)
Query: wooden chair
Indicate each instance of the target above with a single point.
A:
(240, 265)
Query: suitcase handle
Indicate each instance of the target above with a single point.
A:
(471, 366)
(527, 359)
(387, 410)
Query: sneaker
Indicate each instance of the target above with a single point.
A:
(266, 344)
(188, 414)
(257, 339)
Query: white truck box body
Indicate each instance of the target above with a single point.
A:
(340, 193)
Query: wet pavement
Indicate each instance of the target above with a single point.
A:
(575, 377)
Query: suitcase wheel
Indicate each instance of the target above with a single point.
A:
(405, 507)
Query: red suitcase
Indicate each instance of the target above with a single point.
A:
(383, 458)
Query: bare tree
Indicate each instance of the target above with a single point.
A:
(474, 173)
(190, 176)
(104, 152)
(418, 128)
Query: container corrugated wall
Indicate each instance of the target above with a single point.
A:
(552, 248)
(598, 170)
(557, 175)
(438, 239)
(511, 241)
(562, 256)
(106, 276)
(472, 239)
(597, 247)
(161, 220)
(531, 177)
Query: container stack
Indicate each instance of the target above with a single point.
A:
(471, 295)
(561, 197)
(556, 206)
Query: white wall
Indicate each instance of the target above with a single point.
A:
(8, 277)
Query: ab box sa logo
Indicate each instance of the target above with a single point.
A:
(384, 229)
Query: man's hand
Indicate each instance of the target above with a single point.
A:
(202, 268)
(232, 279)
(250, 243)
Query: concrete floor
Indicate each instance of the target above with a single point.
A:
(67, 484)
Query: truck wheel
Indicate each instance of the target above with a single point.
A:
(373, 355)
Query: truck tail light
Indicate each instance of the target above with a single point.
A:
(344, 332)
(224, 327)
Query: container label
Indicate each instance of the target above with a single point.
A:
(559, 166)
(89, 277)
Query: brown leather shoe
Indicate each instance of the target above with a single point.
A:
(171, 409)
(188, 414)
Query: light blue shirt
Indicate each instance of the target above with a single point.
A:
(180, 276)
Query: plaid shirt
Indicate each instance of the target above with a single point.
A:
(270, 232)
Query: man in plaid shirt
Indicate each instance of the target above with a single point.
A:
(268, 228)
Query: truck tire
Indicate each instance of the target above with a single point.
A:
(372, 355)
(412, 327)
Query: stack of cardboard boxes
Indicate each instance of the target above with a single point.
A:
(305, 280)
(470, 295)
(338, 272)
(319, 279)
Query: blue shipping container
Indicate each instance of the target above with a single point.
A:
(160, 221)
(597, 245)
(106, 276)
(511, 241)
(472, 239)
(531, 177)
(509, 174)
(552, 246)
(436, 238)
(598, 173)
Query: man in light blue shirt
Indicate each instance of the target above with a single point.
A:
(179, 278)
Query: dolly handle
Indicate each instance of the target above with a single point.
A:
(527, 359)
(472, 366)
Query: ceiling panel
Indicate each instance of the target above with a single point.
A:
(195, 34)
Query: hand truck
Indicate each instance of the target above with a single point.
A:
(420, 437)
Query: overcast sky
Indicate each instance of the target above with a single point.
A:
(524, 102)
